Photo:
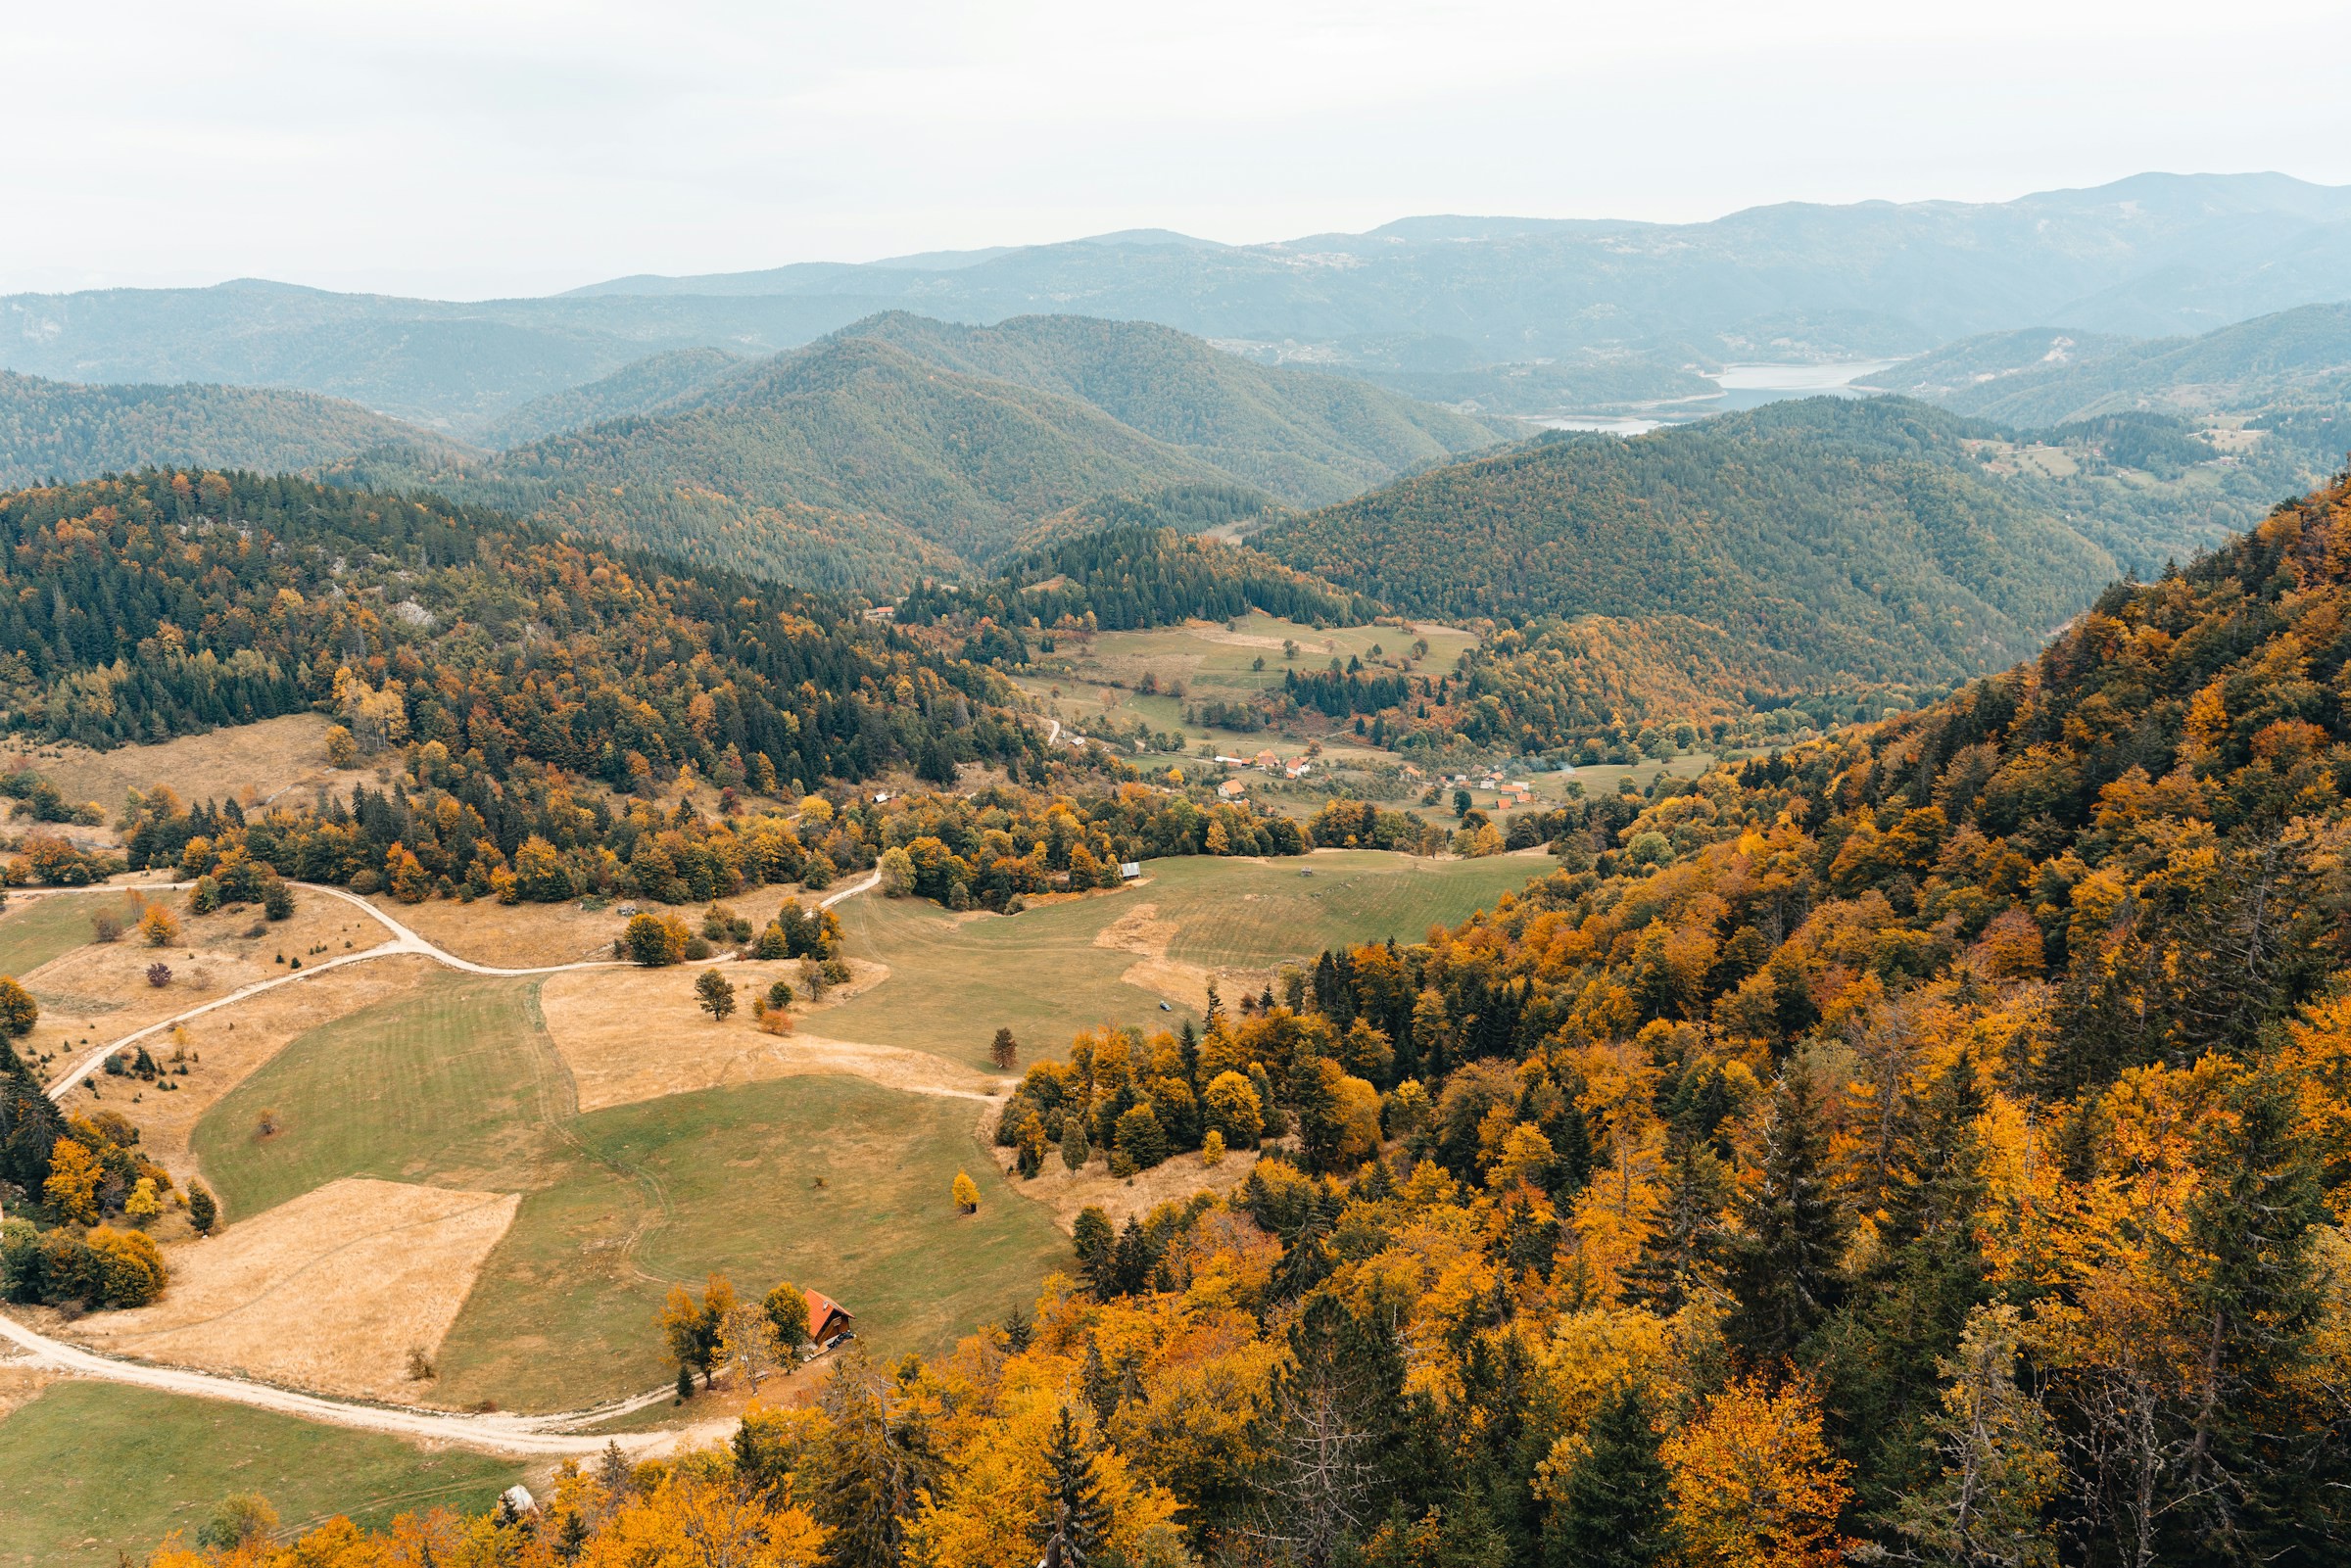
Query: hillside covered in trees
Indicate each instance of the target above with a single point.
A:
(172, 601)
(902, 447)
(1926, 1145)
(1822, 539)
(633, 388)
(57, 430)
(2045, 376)
(1136, 575)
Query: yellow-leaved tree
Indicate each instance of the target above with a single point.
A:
(159, 927)
(1755, 1485)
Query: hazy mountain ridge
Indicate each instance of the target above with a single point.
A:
(2151, 255)
(2046, 376)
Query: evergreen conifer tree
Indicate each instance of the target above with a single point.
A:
(1614, 1508)
(1783, 1264)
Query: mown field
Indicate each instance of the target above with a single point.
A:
(96, 1474)
(1252, 915)
(832, 1182)
(40, 930)
(955, 978)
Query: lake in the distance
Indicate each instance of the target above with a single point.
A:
(1751, 386)
(1744, 386)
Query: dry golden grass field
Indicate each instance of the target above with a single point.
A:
(330, 1291)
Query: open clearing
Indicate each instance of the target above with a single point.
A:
(511, 936)
(632, 1034)
(146, 1463)
(1215, 662)
(98, 991)
(370, 1269)
(1111, 959)
(459, 1086)
(226, 1046)
(248, 763)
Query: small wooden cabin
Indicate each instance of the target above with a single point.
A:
(827, 1318)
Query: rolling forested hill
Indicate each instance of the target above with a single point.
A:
(1821, 539)
(2157, 447)
(640, 385)
(872, 458)
(1133, 575)
(1302, 439)
(169, 602)
(58, 430)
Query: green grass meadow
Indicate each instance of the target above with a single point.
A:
(460, 1088)
(953, 979)
(40, 930)
(1251, 915)
(95, 1474)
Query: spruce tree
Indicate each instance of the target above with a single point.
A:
(1783, 1270)
(1081, 1518)
(1684, 1253)
(1614, 1509)
(1096, 1246)
(1885, 1348)
(1094, 1378)
(2246, 1272)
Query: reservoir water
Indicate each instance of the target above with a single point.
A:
(1744, 386)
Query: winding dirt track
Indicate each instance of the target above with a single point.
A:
(495, 1432)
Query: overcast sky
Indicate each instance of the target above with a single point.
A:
(466, 148)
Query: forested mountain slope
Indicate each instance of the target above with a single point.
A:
(633, 389)
(1302, 439)
(862, 464)
(172, 601)
(1820, 539)
(848, 464)
(1128, 576)
(2049, 376)
(58, 430)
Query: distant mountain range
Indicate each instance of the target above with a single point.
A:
(2156, 254)
(2046, 376)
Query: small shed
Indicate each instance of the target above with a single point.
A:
(1130, 870)
(828, 1319)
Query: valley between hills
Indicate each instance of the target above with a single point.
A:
(1092, 903)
